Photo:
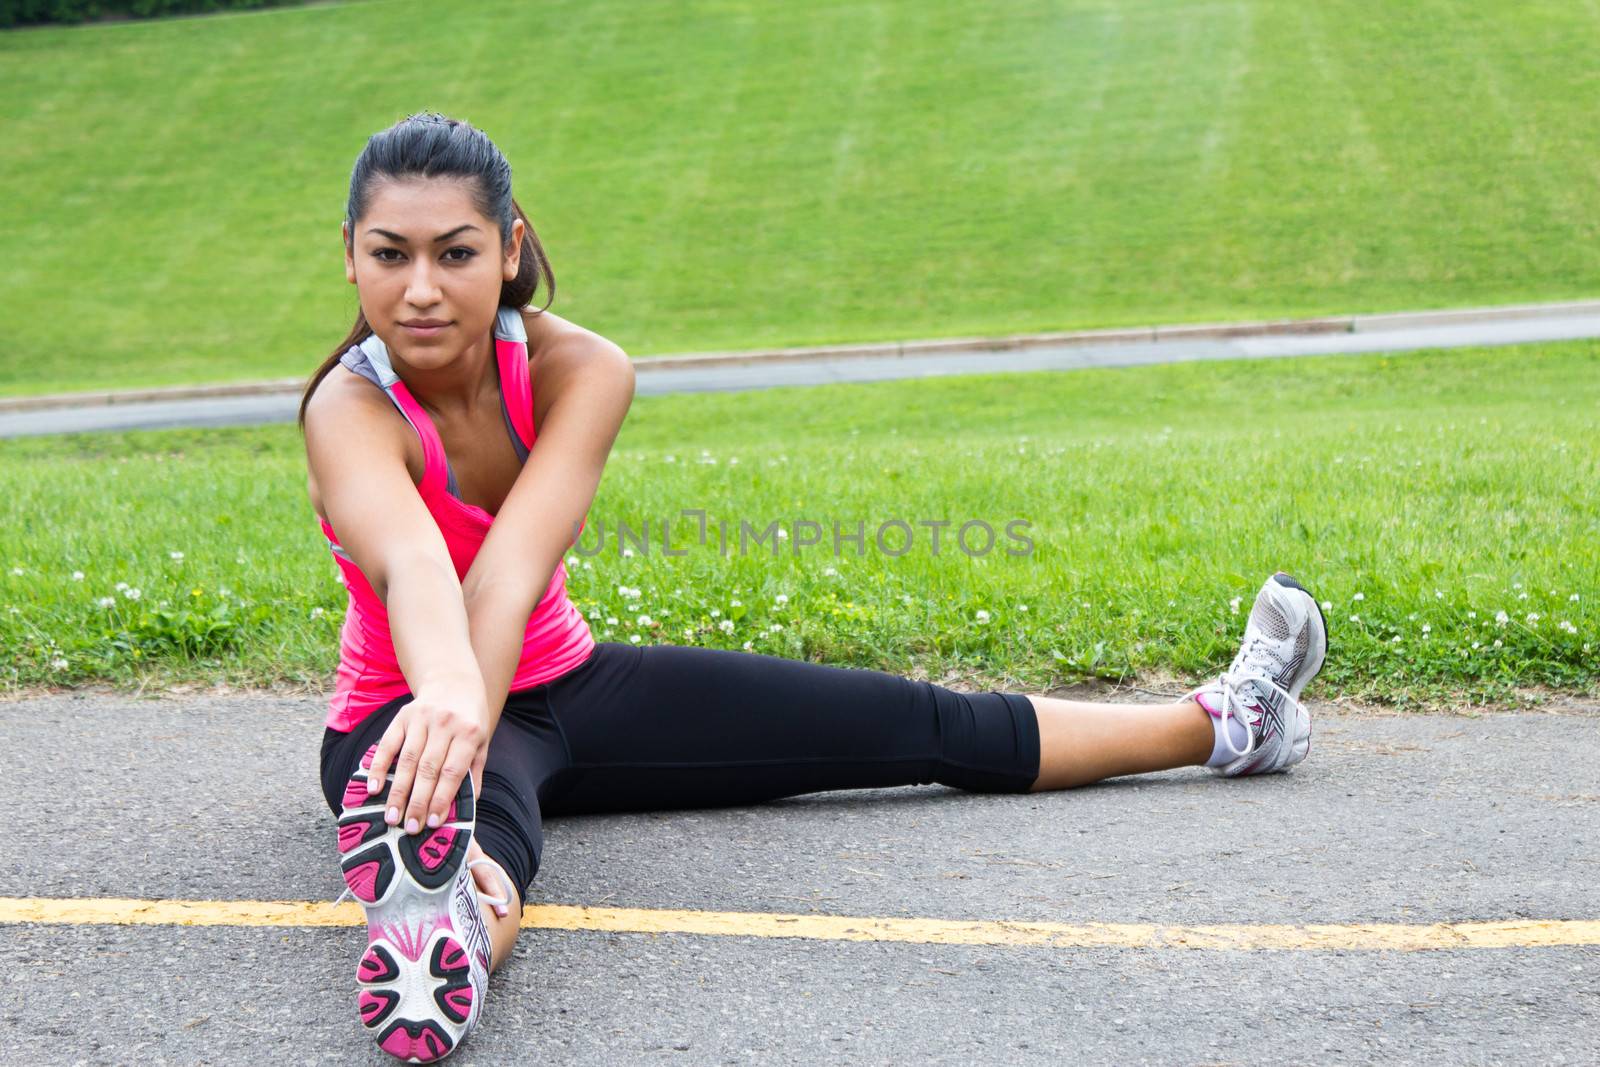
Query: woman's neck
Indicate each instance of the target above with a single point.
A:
(458, 388)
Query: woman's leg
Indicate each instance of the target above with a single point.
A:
(1081, 743)
(673, 727)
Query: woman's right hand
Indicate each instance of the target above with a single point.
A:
(434, 742)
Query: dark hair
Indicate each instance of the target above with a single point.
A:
(429, 145)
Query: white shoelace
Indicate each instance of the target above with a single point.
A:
(483, 897)
(1246, 667)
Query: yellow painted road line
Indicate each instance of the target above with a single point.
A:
(1400, 937)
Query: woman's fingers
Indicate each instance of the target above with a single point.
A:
(388, 745)
(429, 766)
(405, 773)
(457, 762)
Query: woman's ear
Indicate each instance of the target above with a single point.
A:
(349, 261)
(514, 257)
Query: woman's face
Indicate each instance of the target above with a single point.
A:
(423, 255)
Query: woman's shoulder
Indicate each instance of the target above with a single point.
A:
(552, 338)
(347, 407)
(561, 351)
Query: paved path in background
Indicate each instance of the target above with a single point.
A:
(1393, 334)
(1410, 821)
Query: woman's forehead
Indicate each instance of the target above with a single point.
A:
(422, 207)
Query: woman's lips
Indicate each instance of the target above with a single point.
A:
(424, 331)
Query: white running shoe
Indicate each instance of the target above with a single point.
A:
(1285, 642)
(426, 967)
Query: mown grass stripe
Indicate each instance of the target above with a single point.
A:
(1396, 937)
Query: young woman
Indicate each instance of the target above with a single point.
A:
(455, 441)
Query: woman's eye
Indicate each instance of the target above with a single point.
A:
(381, 255)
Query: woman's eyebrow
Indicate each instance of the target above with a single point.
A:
(442, 237)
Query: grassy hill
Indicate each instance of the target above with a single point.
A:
(728, 174)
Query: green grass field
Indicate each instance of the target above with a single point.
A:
(732, 174)
(1443, 504)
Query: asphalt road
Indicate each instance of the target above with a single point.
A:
(1414, 819)
(775, 373)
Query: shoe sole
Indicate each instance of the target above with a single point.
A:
(415, 993)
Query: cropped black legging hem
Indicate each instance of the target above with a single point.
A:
(659, 727)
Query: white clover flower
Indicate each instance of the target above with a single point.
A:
(726, 626)
(982, 617)
(77, 576)
(1516, 585)
(1476, 645)
(780, 600)
(747, 645)
(1022, 607)
(1566, 624)
(1472, 614)
(645, 620)
(1501, 618)
(1438, 594)
(1499, 643)
(716, 613)
(670, 459)
(733, 460)
(1533, 618)
(783, 535)
(121, 586)
(611, 620)
(1327, 605)
(572, 561)
(1573, 598)
(829, 572)
(1233, 605)
(1359, 596)
(1395, 639)
(132, 594)
(588, 566)
(107, 601)
(1522, 596)
(178, 556)
(633, 639)
(1355, 618)
(317, 613)
(1427, 629)
(18, 572)
(58, 664)
(735, 603)
(775, 627)
(627, 553)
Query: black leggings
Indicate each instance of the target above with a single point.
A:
(644, 728)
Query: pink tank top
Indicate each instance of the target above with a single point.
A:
(557, 637)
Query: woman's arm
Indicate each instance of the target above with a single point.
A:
(356, 457)
(584, 386)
